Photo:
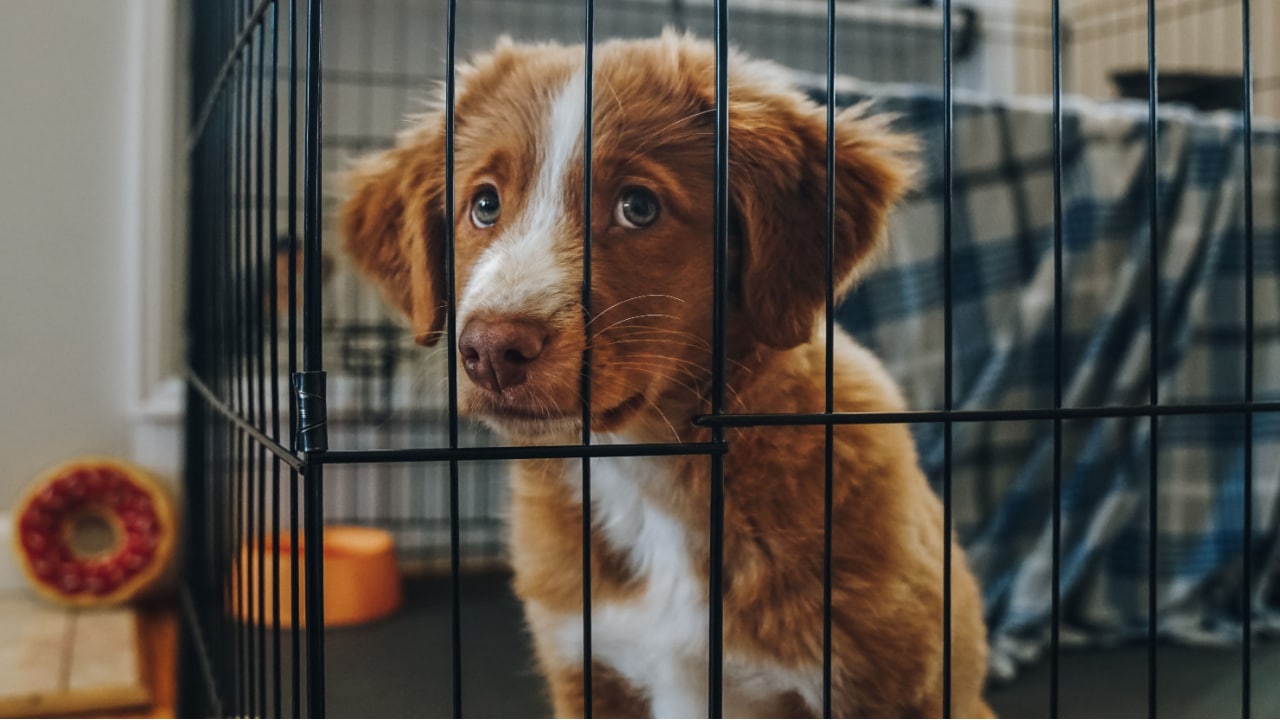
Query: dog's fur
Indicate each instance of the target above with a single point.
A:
(519, 115)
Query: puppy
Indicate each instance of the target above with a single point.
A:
(518, 229)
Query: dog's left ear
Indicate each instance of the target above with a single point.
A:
(393, 227)
(778, 185)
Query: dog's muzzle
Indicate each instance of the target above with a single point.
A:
(497, 355)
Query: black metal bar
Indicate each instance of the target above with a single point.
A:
(383, 430)
(295, 610)
(292, 224)
(242, 228)
(227, 356)
(260, 330)
(455, 561)
(969, 416)
(585, 384)
(312, 348)
(720, 276)
(261, 623)
(948, 175)
(312, 309)
(1246, 650)
(239, 603)
(417, 478)
(1058, 370)
(240, 366)
(252, 562)
(295, 600)
(194, 671)
(249, 288)
(828, 486)
(277, 660)
(1153, 208)
(226, 638)
(312, 550)
(273, 232)
(277, 707)
(363, 401)
(528, 452)
(256, 271)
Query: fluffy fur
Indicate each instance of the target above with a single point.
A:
(518, 136)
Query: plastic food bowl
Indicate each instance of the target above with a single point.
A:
(361, 578)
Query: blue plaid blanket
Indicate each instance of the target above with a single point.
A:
(1004, 357)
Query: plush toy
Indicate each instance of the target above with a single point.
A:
(94, 531)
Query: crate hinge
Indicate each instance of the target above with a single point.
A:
(313, 411)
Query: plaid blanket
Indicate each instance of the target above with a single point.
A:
(1004, 357)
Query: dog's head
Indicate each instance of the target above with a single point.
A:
(518, 225)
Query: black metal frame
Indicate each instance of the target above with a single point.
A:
(241, 451)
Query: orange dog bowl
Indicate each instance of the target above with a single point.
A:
(361, 579)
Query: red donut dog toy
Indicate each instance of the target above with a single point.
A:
(94, 531)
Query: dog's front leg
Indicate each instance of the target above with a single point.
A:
(611, 695)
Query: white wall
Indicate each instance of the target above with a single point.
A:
(73, 207)
(63, 144)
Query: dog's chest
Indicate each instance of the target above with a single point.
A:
(659, 635)
(657, 638)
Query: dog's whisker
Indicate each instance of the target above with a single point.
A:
(638, 317)
(544, 401)
(662, 344)
(661, 372)
(675, 435)
(682, 366)
(620, 303)
(679, 361)
(644, 396)
(675, 342)
(702, 344)
(642, 335)
(656, 335)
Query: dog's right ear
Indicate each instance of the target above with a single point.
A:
(393, 228)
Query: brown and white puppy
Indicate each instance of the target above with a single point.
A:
(518, 228)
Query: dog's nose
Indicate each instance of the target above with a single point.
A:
(497, 354)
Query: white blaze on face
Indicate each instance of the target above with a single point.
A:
(525, 271)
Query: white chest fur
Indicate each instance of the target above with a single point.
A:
(657, 639)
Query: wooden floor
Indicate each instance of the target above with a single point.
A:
(116, 662)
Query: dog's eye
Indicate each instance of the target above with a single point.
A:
(485, 208)
(637, 208)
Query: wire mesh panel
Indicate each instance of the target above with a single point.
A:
(384, 62)
(1077, 301)
(247, 493)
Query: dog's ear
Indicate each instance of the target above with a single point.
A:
(778, 180)
(393, 228)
